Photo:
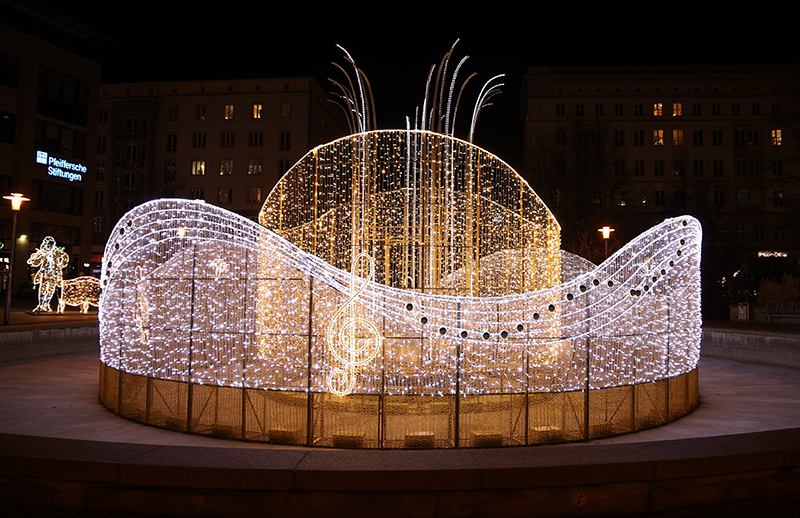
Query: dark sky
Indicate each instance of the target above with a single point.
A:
(395, 46)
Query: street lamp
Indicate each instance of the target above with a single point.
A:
(16, 200)
(606, 231)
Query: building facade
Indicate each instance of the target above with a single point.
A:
(226, 142)
(48, 108)
(628, 146)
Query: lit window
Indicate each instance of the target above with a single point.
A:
(286, 110)
(228, 111)
(226, 166)
(677, 137)
(776, 137)
(256, 111)
(254, 195)
(254, 166)
(658, 137)
(657, 109)
(677, 109)
(198, 167)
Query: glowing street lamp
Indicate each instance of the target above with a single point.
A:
(606, 231)
(16, 200)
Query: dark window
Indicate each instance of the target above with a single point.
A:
(8, 123)
(55, 197)
(62, 97)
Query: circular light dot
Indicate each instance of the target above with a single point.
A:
(442, 330)
(424, 320)
(570, 296)
(463, 333)
(551, 308)
(610, 283)
(536, 316)
(409, 306)
(486, 335)
(504, 334)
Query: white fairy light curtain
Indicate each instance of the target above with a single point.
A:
(404, 289)
(214, 324)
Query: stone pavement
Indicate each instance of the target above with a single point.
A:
(55, 401)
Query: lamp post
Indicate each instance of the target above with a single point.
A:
(16, 200)
(606, 231)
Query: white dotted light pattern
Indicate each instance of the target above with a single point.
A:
(226, 314)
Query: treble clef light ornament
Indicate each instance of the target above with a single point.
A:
(353, 341)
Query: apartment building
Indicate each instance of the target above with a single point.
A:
(227, 142)
(627, 146)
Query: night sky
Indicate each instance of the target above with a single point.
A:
(163, 41)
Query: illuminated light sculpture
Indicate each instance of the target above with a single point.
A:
(81, 291)
(50, 260)
(404, 289)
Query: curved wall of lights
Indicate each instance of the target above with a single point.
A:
(422, 303)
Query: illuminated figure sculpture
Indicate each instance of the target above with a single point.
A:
(403, 289)
(50, 260)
